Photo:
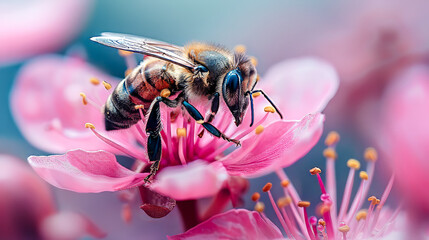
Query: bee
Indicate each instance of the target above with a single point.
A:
(197, 71)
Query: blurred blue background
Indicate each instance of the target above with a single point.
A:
(272, 31)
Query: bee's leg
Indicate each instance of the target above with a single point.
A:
(269, 100)
(153, 130)
(195, 114)
(214, 108)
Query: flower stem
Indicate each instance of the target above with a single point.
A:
(189, 212)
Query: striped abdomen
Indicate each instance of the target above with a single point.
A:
(140, 87)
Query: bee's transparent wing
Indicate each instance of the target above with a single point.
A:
(154, 48)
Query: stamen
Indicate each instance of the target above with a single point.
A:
(165, 93)
(383, 200)
(259, 129)
(269, 109)
(344, 229)
(254, 61)
(137, 107)
(283, 201)
(111, 142)
(267, 187)
(361, 215)
(191, 140)
(84, 101)
(94, 80)
(371, 154)
(289, 224)
(240, 48)
(285, 183)
(332, 139)
(106, 85)
(256, 196)
(316, 171)
(169, 141)
(126, 213)
(256, 94)
(200, 121)
(313, 223)
(259, 207)
(181, 134)
(330, 153)
(353, 163)
(363, 175)
(304, 205)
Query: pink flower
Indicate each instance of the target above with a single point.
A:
(28, 210)
(405, 134)
(191, 167)
(350, 222)
(30, 28)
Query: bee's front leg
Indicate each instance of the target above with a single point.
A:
(195, 114)
(214, 108)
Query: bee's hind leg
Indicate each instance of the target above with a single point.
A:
(195, 114)
(153, 130)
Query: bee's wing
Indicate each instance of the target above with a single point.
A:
(154, 48)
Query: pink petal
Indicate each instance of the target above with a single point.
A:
(47, 105)
(154, 204)
(405, 135)
(197, 179)
(67, 226)
(82, 171)
(38, 26)
(301, 86)
(279, 145)
(234, 224)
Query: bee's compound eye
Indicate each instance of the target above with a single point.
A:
(201, 68)
(232, 80)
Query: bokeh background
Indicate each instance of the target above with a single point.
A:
(356, 37)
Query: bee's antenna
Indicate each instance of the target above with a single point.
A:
(269, 100)
(251, 107)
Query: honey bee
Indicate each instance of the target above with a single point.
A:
(197, 71)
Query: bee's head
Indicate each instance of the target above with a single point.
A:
(236, 85)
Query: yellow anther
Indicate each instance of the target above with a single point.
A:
(267, 187)
(284, 202)
(285, 183)
(94, 80)
(181, 132)
(107, 85)
(240, 48)
(344, 229)
(330, 153)
(363, 175)
(128, 71)
(137, 107)
(256, 94)
(89, 125)
(332, 138)
(200, 121)
(124, 53)
(259, 129)
(256, 196)
(83, 95)
(259, 207)
(254, 61)
(377, 201)
(373, 200)
(165, 93)
(361, 215)
(303, 204)
(269, 109)
(353, 163)
(370, 154)
(315, 170)
(322, 222)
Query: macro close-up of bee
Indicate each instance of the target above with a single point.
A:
(197, 71)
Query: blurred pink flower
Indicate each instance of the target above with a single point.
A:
(28, 210)
(350, 222)
(33, 27)
(270, 144)
(404, 111)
